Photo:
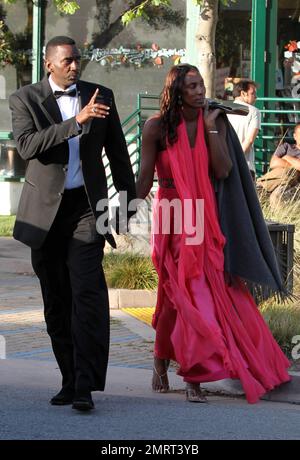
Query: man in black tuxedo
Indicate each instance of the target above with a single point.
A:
(61, 126)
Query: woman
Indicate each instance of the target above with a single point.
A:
(205, 319)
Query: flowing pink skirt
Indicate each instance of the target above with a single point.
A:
(213, 331)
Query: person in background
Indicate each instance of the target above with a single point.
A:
(246, 127)
(283, 179)
(288, 155)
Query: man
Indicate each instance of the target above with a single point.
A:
(282, 182)
(61, 129)
(288, 155)
(246, 127)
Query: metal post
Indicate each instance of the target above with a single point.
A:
(272, 21)
(258, 45)
(37, 40)
(258, 63)
(139, 143)
(270, 82)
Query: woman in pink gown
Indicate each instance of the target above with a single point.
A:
(205, 319)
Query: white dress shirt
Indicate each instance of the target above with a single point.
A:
(243, 126)
(69, 107)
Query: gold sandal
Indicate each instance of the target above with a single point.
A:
(194, 393)
(163, 382)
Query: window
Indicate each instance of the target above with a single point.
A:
(15, 64)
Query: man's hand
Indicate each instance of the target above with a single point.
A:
(292, 162)
(92, 110)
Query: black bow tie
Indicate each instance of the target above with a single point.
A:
(58, 94)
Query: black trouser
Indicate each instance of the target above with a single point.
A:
(75, 295)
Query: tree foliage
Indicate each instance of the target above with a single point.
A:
(140, 10)
(63, 6)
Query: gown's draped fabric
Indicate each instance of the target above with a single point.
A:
(212, 329)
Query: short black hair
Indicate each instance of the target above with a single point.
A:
(243, 85)
(59, 40)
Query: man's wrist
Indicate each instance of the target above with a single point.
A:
(79, 125)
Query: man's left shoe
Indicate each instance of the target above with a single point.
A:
(62, 398)
(83, 401)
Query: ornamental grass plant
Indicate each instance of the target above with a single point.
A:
(6, 225)
(129, 271)
(283, 318)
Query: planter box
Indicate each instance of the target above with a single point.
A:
(282, 236)
(10, 192)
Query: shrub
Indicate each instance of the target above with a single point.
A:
(286, 212)
(129, 271)
(284, 322)
(284, 319)
(6, 225)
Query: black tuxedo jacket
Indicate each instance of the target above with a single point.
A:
(42, 139)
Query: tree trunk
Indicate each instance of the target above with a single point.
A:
(108, 30)
(205, 37)
(103, 14)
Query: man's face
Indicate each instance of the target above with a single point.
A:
(63, 62)
(193, 92)
(249, 96)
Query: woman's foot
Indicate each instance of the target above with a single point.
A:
(160, 381)
(194, 393)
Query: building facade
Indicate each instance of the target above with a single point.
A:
(250, 43)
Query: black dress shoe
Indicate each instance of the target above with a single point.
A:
(83, 401)
(63, 398)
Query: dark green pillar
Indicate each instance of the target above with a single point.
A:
(264, 45)
(263, 66)
(258, 45)
(271, 48)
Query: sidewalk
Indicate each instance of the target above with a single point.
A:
(128, 409)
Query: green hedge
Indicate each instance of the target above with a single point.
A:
(6, 225)
(129, 271)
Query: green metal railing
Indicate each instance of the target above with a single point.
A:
(279, 115)
(132, 128)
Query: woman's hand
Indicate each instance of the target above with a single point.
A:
(210, 115)
(215, 128)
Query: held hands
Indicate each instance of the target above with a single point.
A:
(93, 109)
(210, 115)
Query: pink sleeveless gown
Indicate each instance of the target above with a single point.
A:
(212, 330)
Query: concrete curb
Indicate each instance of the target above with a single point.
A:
(286, 393)
(15, 259)
(122, 298)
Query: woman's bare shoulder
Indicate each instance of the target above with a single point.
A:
(153, 125)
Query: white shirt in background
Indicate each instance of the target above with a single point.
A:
(243, 125)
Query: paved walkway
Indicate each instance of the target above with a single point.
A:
(22, 323)
(23, 327)
(127, 409)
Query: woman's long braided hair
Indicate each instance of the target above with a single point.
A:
(171, 101)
